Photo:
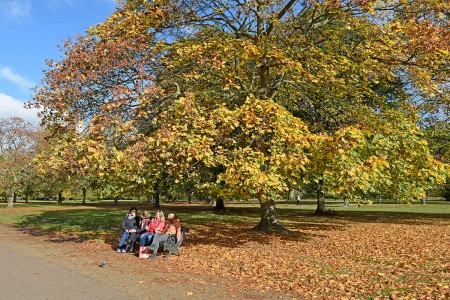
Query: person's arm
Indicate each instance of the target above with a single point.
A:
(178, 226)
(161, 227)
(147, 225)
(151, 226)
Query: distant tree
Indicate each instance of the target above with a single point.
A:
(72, 162)
(437, 133)
(18, 145)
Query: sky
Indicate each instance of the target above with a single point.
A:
(30, 32)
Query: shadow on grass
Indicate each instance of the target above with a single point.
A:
(62, 226)
(230, 228)
(408, 218)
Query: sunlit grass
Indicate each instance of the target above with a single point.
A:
(103, 218)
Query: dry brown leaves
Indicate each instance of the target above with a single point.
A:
(355, 260)
(359, 260)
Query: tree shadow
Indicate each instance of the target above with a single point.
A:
(60, 226)
(389, 217)
(230, 228)
(50, 236)
(240, 235)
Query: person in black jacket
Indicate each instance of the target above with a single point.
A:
(130, 227)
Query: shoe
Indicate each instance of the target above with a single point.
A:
(153, 256)
(124, 250)
(118, 250)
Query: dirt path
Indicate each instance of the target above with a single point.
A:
(26, 276)
(40, 266)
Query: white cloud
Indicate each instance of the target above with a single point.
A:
(15, 10)
(23, 83)
(10, 107)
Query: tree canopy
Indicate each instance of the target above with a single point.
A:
(19, 143)
(249, 98)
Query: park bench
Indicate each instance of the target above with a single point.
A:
(171, 245)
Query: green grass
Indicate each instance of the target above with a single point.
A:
(100, 219)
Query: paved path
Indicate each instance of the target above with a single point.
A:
(34, 265)
(24, 276)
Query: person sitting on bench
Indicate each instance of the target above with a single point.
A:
(173, 227)
(156, 225)
(129, 227)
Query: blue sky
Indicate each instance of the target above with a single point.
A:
(30, 31)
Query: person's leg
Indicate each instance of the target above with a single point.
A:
(144, 238)
(131, 240)
(156, 240)
(155, 243)
(163, 238)
(142, 242)
(150, 238)
(123, 238)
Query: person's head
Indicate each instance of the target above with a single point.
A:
(133, 211)
(146, 214)
(159, 215)
(172, 217)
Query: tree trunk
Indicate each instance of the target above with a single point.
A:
(156, 195)
(149, 197)
(14, 197)
(60, 199)
(156, 200)
(11, 200)
(116, 200)
(220, 204)
(83, 201)
(189, 197)
(269, 221)
(26, 198)
(290, 195)
(424, 199)
(446, 193)
(320, 199)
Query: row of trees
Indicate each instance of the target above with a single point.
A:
(20, 143)
(247, 99)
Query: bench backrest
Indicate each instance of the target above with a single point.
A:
(170, 244)
(184, 231)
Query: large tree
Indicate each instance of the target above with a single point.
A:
(155, 80)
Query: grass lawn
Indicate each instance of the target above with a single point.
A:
(378, 251)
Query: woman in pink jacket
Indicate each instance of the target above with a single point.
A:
(156, 225)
